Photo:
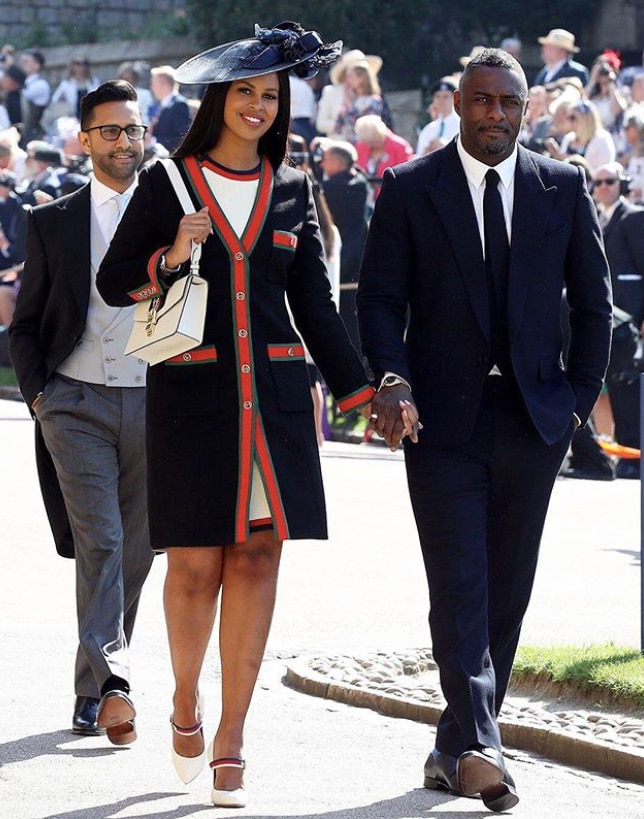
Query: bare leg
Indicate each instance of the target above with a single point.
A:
(190, 601)
(249, 584)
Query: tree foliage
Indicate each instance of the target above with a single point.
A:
(417, 39)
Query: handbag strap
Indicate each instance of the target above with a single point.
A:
(183, 196)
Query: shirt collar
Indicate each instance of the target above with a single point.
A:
(100, 192)
(476, 170)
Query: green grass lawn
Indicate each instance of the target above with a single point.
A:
(7, 377)
(604, 673)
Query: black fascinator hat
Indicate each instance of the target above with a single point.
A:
(286, 46)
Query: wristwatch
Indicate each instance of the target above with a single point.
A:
(165, 267)
(392, 381)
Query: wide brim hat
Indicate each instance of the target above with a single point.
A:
(285, 47)
(561, 38)
(354, 57)
(476, 50)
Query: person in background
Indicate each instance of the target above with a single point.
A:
(44, 167)
(36, 95)
(623, 229)
(451, 320)
(72, 89)
(346, 191)
(632, 156)
(172, 120)
(132, 72)
(332, 94)
(13, 221)
(12, 82)
(379, 148)
(513, 47)
(361, 96)
(88, 401)
(557, 48)
(233, 455)
(445, 121)
(303, 108)
(586, 136)
(602, 90)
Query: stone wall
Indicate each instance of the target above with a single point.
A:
(50, 22)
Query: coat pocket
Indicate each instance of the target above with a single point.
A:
(290, 376)
(189, 382)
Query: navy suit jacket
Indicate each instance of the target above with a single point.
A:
(172, 123)
(423, 308)
(569, 69)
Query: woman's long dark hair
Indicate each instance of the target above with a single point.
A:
(206, 128)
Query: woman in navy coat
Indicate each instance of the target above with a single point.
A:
(233, 461)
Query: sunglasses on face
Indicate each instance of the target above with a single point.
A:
(608, 181)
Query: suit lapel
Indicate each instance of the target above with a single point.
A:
(531, 212)
(450, 195)
(75, 236)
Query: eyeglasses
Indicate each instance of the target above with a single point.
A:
(112, 132)
(609, 180)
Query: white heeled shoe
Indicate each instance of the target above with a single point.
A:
(188, 767)
(228, 799)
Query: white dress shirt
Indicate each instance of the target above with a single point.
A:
(475, 172)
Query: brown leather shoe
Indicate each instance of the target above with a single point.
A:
(116, 714)
(483, 772)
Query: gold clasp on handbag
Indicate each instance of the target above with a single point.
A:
(152, 317)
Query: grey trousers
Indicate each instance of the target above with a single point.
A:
(96, 437)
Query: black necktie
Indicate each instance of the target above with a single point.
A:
(497, 248)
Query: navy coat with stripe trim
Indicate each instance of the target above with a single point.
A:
(198, 456)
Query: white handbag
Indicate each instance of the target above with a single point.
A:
(173, 323)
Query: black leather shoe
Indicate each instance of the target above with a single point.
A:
(484, 772)
(628, 469)
(84, 720)
(588, 473)
(440, 772)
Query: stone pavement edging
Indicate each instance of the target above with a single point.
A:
(335, 679)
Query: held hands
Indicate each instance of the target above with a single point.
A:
(195, 227)
(394, 415)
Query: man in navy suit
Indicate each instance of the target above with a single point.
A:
(557, 48)
(172, 120)
(459, 317)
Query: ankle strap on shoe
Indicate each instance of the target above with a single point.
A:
(228, 762)
(186, 732)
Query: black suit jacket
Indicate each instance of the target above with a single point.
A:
(346, 196)
(624, 241)
(423, 306)
(50, 318)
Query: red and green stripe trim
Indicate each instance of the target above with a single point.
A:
(356, 399)
(282, 238)
(286, 352)
(149, 291)
(200, 355)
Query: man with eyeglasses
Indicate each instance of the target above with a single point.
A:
(88, 402)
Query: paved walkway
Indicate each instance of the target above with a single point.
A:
(361, 593)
